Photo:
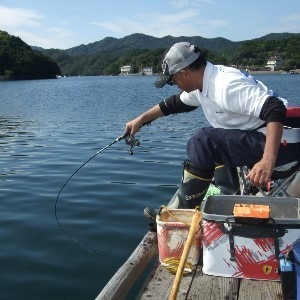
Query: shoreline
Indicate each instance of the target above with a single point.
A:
(297, 72)
(280, 72)
(266, 72)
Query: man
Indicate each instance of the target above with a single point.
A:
(236, 106)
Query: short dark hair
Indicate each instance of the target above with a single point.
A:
(199, 62)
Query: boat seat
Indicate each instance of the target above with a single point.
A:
(284, 171)
(281, 178)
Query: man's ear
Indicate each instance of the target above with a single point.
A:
(185, 73)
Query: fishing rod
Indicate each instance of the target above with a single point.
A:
(131, 142)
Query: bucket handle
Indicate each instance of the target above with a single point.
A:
(165, 208)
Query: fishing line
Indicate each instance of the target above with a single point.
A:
(132, 143)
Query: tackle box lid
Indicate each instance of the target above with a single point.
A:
(284, 210)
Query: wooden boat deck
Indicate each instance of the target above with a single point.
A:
(194, 286)
(200, 286)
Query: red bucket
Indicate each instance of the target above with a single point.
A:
(173, 226)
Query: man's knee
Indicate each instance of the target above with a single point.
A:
(200, 149)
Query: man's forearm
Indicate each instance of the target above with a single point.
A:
(262, 171)
(151, 114)
(134, 126)
(273, 139)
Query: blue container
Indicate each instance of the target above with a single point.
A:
(288, 277)
(296, 252)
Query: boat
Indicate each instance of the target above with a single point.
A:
(294, 72)
(159, 283)
(197, 285)
(265, 251)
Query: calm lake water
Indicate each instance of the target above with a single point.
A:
(48, 128)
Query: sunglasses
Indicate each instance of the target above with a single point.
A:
(172, 77)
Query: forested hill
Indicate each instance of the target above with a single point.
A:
(142, 41)
(105, 57)
(19, 61)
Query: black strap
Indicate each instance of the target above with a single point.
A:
(276, 234)
(231, 242)
(270, 230)
(207, 174)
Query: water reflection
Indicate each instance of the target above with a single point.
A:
(48, 128)
(12, 125)
(14, 142)
(7, 125)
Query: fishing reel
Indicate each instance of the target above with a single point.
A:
(132, 143)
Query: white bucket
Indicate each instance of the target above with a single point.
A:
(173, 226)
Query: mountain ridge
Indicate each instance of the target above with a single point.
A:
(143, 41)
(105, 57)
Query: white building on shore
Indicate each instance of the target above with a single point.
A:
(148, 71)
(274, 63)
(126, 70)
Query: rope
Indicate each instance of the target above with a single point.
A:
(172, 263)
(165, 208)
(174, 217)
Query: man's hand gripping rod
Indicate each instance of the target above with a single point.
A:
(131, 142)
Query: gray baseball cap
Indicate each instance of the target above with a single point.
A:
(177, 58)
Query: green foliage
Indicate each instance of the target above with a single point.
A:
(106, 57)
(142, 41)
(110, 64)
(255, 53)
(19, 61)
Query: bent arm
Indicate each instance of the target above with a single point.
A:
(273, 113)
(134, 125)
(262, 171)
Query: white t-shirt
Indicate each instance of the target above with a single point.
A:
(230, 99)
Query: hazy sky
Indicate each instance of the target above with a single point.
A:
(64, 24)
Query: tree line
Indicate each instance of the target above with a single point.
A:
(256, 53)
(252, 55)
(19, 61)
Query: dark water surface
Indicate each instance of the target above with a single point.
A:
(48, 128)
